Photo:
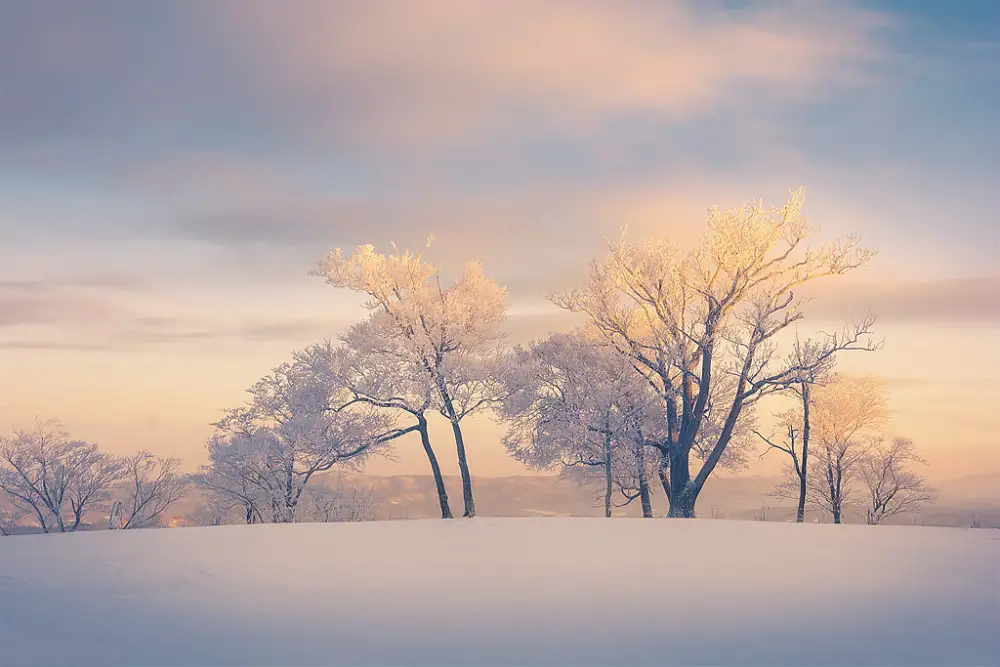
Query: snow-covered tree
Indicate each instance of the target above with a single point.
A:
(373, 368)
(893, 488)
(690, 319)
(846, 416)
(796, 424)
(450, 334)
(339, 502)
(10, 519)
(574, 404)
(264, 454)
(54, 478)
(151, 485)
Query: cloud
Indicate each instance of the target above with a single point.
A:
(378, 75)
(27, 303)
(109, 315)
(947, 301)
(399, 73)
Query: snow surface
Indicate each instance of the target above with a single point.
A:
(503, 592)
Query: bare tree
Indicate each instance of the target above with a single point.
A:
(9, 520)
(217, 509)
(152, 484)
(449, 334)
(892, 488)
(690, 319)
(373, 368)
(54, 478)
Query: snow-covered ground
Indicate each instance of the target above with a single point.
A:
(503, 592)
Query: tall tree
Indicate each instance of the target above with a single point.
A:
(689, 319)
(797, 423)
(373, 369)
(449, 334)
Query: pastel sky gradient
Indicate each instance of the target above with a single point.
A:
(169, 172)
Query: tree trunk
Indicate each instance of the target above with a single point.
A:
(663, 471)
(800, 512)
(647, 506)
(425, 439)
(463, 465)
(607, 475)
(683, 495)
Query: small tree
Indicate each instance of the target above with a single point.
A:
(56, 479)
(152, 484)
(9, 520)
(892, 488)
(339, 503)
(847, 415)
(216, 510)
(449, 334)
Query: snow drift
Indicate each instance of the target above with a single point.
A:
(503, 592)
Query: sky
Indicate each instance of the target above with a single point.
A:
(169, 173)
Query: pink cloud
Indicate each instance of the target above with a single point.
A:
(431, 71)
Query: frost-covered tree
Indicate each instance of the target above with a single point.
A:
(450, 334)
(9, 520)
(373, 368)
(215, 510)
(846, 416)
(151, 485)
(339, 502)
(797, 423)
(692, 319)
(574, 404)
(264, 454)
(893, 488)
(55, 479)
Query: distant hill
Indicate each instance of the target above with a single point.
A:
(734, 497)
(742, 497)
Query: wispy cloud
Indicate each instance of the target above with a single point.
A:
(952, 301)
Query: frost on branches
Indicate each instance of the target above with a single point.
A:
(892, 488)
(448, 335)
(701, 325)
(54, 479)
(576, 404)
(373, 368)
(264, 454)
(844, 417)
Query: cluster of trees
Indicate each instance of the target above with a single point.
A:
(660, 384)
(834, 439)
(58, 482)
